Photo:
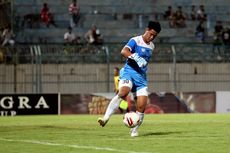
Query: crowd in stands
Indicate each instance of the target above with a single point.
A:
(46, 17)
(175, 15)
(177, 19)
(92, 36)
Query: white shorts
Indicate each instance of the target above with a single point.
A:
(127, 83)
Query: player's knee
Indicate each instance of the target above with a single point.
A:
(123, 92)
(122, 95)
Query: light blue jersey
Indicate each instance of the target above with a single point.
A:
(137, 45)
(132, 71)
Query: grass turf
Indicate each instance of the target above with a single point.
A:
(168, 133)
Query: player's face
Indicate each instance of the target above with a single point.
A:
(150, 35)
(116, 72)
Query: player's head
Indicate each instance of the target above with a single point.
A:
(152, 30)
(116, 71)
(155, 26)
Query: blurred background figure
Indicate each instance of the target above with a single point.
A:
(168, 15)
(201, 15)
(74, 11)
(193, 13)
(116, 73)
(124, 105)
(46, 16)
(70, 37)
(200, 31)
(179, 18)
(226, 36)
(8, 36)
(93, 36)
(217, 37)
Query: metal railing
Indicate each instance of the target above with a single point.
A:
(61, 68)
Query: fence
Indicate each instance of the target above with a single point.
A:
(89, 69)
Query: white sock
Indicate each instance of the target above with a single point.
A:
(141, 115)
(112, 107)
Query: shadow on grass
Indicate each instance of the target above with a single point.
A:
(161, 133)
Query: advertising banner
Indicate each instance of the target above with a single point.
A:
(97, 103)
(200, 102)
(28, 104)
(223, 102)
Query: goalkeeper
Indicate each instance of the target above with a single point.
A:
(133, 77)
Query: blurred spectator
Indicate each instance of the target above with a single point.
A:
(168, 15)
(193, 13)
(217, 37)
(8, 36)
(226, 39)
(200, 31)
(201, 15)
(226, 36)
(74, 11)
(93, 36)
(179, 18)
(31, 20)
(218, 27)
(70, 37)
(47, 17)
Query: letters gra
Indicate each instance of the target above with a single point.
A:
(28, 104)
(8, 102)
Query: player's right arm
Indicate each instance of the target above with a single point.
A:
(125, 52)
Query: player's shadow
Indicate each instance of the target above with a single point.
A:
(162, 133)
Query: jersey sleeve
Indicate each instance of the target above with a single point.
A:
(131, 45)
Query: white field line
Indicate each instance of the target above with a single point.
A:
(70, 146)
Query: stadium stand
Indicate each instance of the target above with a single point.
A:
(116, 20)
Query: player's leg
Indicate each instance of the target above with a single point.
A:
(124, 89)
(129, 99)
(142, 98)
(112, 107)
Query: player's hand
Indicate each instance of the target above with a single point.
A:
(141, 62)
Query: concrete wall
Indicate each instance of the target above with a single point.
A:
(87, 78)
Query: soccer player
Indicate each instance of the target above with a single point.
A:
(124, 104)
(133, 77)
(116, 72)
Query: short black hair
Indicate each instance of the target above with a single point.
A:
(155, 26)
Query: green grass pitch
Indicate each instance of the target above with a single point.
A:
(168, 133)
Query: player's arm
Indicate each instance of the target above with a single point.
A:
(126, 52)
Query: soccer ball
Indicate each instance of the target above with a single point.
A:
(131, 119)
